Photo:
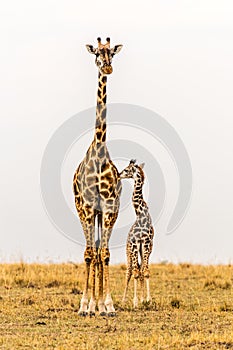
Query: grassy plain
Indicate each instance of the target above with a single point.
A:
(192, 308)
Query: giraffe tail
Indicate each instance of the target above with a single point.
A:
(99, 226)
(140, 251)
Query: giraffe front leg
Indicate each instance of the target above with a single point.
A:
(84, 301)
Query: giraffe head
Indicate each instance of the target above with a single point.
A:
(104, 55)
(133, 171)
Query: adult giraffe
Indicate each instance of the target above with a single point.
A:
(97, 189)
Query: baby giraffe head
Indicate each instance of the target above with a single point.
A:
(104, 55)
(133, 171)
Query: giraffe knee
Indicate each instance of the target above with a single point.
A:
(136, 273)
(146, 273)
(88, 255)
(105, 256)
(87, 260)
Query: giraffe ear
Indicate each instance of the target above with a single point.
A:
(116, 49)
(90, 49)
(142, 165)
(133, 161)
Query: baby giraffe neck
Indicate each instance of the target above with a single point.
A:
(137, 195)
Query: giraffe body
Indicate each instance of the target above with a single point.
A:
(140, 237)
(97, 189)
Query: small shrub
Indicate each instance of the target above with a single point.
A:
(210, 284)
(53, 284)
(185, 266)
(76, 291)
(175, 303)
(225, 285)
(21, 282)
(28, 301)
(213, 284)
(224, 307)
(149, 306)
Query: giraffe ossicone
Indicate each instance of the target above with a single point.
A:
(140, 237)
(97, 190)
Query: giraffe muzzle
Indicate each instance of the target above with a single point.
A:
(107, 69)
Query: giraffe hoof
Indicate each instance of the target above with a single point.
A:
(91, 313)
(103, 313)
(82, 313)
(111, 314)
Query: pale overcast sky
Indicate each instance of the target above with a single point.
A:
(176, 60)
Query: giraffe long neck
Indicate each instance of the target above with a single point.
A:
(101, 110)
(138, 201)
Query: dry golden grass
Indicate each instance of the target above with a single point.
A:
(192, 308)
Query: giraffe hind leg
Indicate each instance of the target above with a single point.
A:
(146, 272)
(101, 306)
(105, 256)
(136, 273)
(92, 302)
(142, 285)
(142, 272)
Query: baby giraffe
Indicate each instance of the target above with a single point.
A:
(140, 237)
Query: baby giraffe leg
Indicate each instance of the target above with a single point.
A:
(142, 284)
(136, 274)
(148, 297)
(135, 298)
(146, 274)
